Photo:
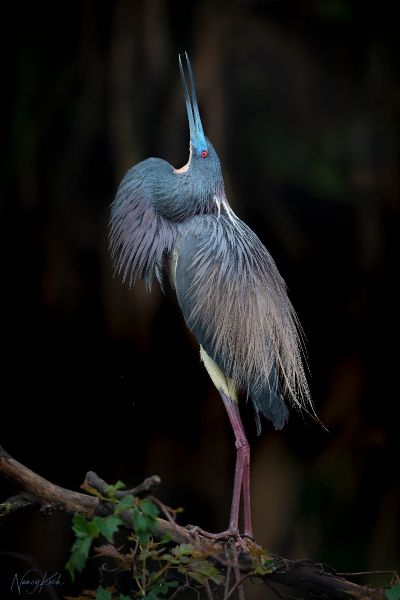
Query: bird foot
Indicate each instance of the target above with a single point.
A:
(229, 534)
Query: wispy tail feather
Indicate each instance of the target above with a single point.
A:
(235, 302)
(272, 406)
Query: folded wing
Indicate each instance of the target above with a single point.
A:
(235, 302)
(140, 237)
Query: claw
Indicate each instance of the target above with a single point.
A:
(229, 535)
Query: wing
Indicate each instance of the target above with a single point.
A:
(235, 302)
(140, 238)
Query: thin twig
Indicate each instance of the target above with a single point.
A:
(93, 481)
(360, 573)
(207, 587)
(178, 590)
(238, 585)
(47, 492)
(227, 581)
(166, 510)
(303, 576)
(236, 570)
(18, 502)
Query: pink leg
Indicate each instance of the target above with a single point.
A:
(248, 526)
(242, 470)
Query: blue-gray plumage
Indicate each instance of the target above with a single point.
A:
(179, 222)
(221, 276)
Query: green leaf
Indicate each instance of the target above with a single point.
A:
(199, 577)
(84, 528)
(102, 594)
(111, 489)
(172, 584)
(165, 539)
(205, 570)
(266, 567)
(108, 526)
(79, 556)
(145, 526)
(150, 596)
(123, 597)
(263, 563)
(126, 503)
(183, 549)
(145, 554)
(5, 507)
(139, 522)
(85, 531)
(166, 557)
(148, 508)
(393, 593)
(143, 537)
(184, 560)
(162, 588)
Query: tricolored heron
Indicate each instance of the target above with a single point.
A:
(178, 222)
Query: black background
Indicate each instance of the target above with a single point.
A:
(301, 101)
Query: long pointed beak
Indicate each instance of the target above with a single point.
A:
(197, 136)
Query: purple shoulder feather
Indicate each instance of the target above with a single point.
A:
(140, 237)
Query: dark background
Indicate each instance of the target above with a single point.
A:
(301, 101)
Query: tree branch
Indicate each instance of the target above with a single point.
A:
(93, 481)
(304, 576)
(18, 502)
(46, 492)
(319, 580)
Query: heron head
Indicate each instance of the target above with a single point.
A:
(197, 137)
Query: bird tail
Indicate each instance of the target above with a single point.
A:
(270, 404)
(268, 401)
(235, 302)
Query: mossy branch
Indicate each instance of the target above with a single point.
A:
(301, 575)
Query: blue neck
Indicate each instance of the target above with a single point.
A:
(195, 189)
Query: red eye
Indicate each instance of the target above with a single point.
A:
(203, 153)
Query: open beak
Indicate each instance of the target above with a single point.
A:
(197, 136)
